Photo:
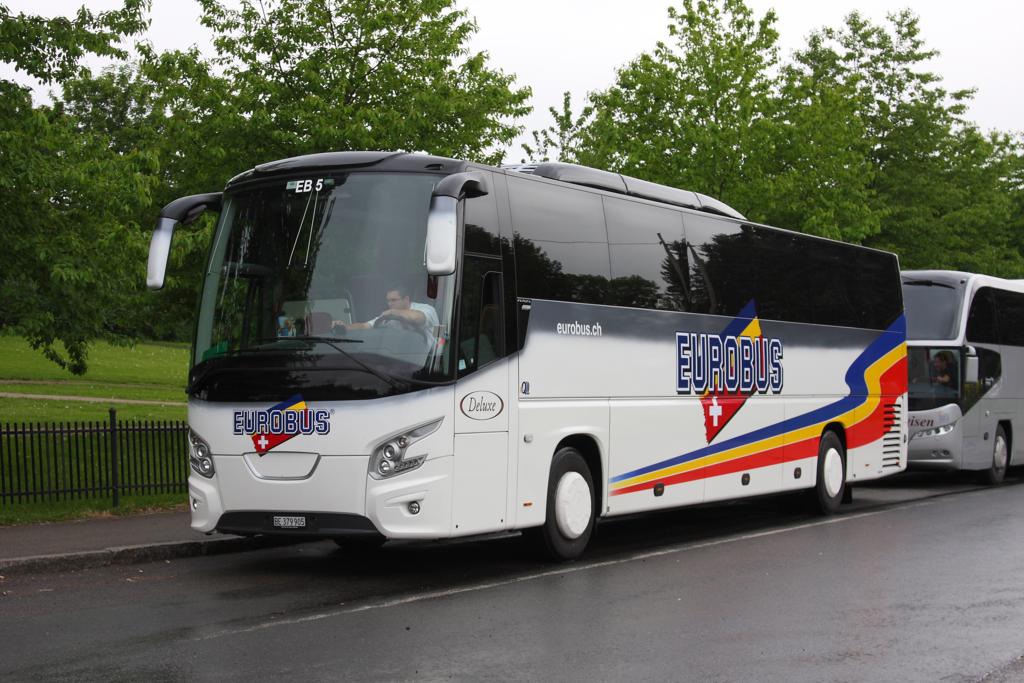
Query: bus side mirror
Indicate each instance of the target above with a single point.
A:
(183, 210)
(441, 250)
(970, 365)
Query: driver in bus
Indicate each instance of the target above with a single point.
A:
(943, 371)
(401, 308)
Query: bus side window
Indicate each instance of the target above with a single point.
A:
(560, 241)
(646, 244)
(981, 318)
(481, 224)
(1010, 313)
(723, 264)
(480, 329)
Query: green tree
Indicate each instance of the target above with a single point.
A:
(559, 139)
(172, 106)
(63, 192)
(696, 114)
(937, 182)
(820, 162)
(360, 74)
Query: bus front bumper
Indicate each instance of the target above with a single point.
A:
(941, 451)
(339, 499)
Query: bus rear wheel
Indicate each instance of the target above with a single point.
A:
(996, 472)
(830, 486)
(569, 522)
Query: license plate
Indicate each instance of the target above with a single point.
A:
(281, 522)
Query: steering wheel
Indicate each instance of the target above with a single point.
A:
(392, 320)
(400, 322)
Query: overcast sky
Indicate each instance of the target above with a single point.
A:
(576, 45)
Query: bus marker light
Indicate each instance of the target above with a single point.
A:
(414, 508)
(659, 489)
(797, 473)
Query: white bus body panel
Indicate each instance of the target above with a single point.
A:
(609, 374)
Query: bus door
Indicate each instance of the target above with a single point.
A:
(480, 485)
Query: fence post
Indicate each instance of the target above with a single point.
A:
(115, 475)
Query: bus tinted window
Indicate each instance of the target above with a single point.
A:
(722, 264)
(561, 244)
(873, 284)
(932, 308)
(981, 318)
(645, 243)
(482, 225)
(1010, 317)
(791, 277)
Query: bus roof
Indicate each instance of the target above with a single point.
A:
(567, 173)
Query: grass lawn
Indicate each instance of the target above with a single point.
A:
(19, 410)
(147, 372)
(145, 363)
(29, 513)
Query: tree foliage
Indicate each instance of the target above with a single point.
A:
(86, 175)
(360, 74)
(64, 196)
(852, 138)
(694, 112)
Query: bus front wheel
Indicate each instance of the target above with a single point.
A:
(569, 521)
(831, 483)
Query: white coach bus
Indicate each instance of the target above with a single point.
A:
(394, 345)
(966, 363)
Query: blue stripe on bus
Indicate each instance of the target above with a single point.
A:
(886, 342)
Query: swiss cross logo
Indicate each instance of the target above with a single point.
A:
(726, 369)
(718, 410)
(270, 428)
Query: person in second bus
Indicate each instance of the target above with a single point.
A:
(943, 370)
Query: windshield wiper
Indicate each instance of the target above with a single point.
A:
(326, 340)
(927, 283)
(332, 342)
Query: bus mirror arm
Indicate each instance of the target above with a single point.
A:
(441, 249)
(970, 365)
(183, 210)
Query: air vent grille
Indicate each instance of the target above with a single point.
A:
(892, 438)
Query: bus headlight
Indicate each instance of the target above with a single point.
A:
(390, 457)
(935, 431)
(199, 455)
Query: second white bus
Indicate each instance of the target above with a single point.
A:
(966, 363)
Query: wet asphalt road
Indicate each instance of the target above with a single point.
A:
(921, 579)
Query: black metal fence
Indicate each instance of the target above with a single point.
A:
(42, 463)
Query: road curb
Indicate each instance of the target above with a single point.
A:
(137, 554)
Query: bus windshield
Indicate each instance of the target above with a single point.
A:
(320, 278)
(933, 308)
